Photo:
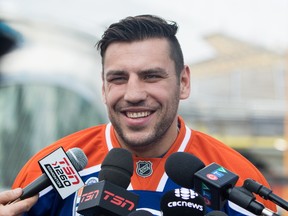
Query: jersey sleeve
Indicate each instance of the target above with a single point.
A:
(31, 170)
(89, 140)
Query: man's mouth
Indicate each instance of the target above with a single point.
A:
(136, 115)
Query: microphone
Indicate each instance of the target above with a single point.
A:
(190, 172)
(182, 201)
(214, 183)
(78, 159)
(245, 199)
(140, 213)
(216, 213)
(109, 196)
(187, 166)
(255, 187)
(117, 167)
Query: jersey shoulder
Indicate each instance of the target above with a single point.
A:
(90, 140)
(209, 150)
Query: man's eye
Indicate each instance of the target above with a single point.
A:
(116, 79)
(152, 77)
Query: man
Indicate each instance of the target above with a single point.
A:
(15, 208)
(144, 78)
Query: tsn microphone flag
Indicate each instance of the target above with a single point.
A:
(212, 182)
(61, 172)
(108, 199)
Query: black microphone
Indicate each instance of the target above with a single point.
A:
(182, 201)
(78, 159)
(264, 192)
(109, 196)
(214, 183)
(245, 199)
(140, 212)
(216, 213)
(188, 171)
(181, 167)
(117, 167)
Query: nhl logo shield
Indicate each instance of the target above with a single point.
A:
(144, 168)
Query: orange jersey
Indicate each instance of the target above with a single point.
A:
(150, 185)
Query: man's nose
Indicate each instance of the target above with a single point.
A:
(135, 91)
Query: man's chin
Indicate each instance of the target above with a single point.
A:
(137, 144)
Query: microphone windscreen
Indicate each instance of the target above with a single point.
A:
(216, 213)
(182, 201)
(181, 167)
(253, 186)
(77, 158)
(117, 167)
(140, 213)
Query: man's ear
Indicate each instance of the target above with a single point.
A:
(185, 82)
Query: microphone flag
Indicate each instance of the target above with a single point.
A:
(213, 182)
(61, 172)
(112, 200)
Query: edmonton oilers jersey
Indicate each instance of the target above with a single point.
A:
(149, 179)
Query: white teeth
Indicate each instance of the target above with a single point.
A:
(137, 114)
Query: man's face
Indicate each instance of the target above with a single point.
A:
(141, 90)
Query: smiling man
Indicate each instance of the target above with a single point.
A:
(142, 91)
(144, 79)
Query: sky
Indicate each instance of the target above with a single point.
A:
(263, 22)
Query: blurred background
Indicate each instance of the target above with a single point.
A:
(237, 50)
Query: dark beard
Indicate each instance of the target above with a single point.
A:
(158, 133)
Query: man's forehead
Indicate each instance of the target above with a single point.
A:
(140, 44)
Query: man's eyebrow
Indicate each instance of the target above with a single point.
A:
(153, 70)
(115, 72)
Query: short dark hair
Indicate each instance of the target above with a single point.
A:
(142, 27)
